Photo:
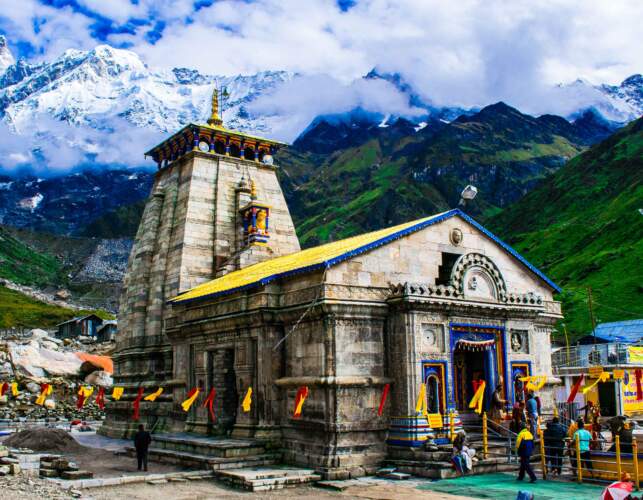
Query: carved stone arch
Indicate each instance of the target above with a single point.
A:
(486, 267)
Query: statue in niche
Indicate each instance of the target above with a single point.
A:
(516, 342)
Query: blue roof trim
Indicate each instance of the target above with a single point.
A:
(378, 243)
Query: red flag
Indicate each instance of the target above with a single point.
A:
(4, 388)
(575, 388)
(209, 402)
(137, 403)
(100, 398)
(302, 394)
(80, 402)
(380, 410)
(639, 391)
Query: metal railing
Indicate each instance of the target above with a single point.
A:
(614, 354)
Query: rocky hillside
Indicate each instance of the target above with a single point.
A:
(76, 203)
(342, 178)
(68, 272)
(583, 226)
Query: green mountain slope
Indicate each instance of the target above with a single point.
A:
(22, 264)
(41, 261)
(397, 173)
(583, 228)
(19, 310)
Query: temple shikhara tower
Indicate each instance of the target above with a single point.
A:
(219, 295)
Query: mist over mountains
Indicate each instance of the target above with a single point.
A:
(105, 106)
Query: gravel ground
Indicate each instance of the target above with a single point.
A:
(208, 489)
(26, 488)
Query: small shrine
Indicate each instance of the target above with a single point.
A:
(255, 216)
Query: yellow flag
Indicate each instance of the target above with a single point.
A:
(154, 395)
(192, 395)
(43, 395)
(14, 388)
(603, 377)
(86, 391)
(476, 400)
(117, 393)
(420, 406)
(536, 383)
(247, 400)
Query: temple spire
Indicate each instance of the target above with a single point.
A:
(215, 119)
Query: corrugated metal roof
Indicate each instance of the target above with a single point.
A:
(620, 331)
(330, 254)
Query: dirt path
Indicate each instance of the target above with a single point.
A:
(202, 490)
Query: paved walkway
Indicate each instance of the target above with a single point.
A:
(505, 487)
(93, 440)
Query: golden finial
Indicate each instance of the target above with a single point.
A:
(215, 120)
(253, 190)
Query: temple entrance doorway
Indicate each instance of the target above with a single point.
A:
(223, 380)
(470, 369)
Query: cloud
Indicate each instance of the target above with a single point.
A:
(300, 100)
(465, 53)
(56, 146)
(469, 52)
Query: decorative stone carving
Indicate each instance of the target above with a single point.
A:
(456, 236)
(481, 275)
(519, 341)
(432, 337)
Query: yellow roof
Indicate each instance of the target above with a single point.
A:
(305, 260)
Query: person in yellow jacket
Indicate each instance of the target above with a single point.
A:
(524, 447)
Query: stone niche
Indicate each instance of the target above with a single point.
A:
(431, 337)
(479, 285)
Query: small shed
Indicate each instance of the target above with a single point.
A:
(107, 331)
(82, 325)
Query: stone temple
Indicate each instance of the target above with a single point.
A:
(219, 295)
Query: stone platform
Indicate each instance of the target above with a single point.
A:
(203, 452)
(267, 478)
(437, 464)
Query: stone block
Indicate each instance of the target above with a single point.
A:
(48, 473)
(76, 474)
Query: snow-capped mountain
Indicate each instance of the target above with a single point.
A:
(617, 103)
(89, 88)
(6, 57)
(105, 106)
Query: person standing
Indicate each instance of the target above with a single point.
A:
(142, 440)
(532, 412)
(584, 441)
(497, 404)
(554, 435)
(525, 447)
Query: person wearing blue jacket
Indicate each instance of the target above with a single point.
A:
(524, 447)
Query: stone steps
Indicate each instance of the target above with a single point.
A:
(211, 447)
(200, 461)
(266, 479)
(444, 470)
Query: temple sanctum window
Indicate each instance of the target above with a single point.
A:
(444, 271)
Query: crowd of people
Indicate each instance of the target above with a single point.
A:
(559, 439)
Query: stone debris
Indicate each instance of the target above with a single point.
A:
(21, 487)
(37, 357)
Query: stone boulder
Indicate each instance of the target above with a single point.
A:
(38, 362)
(100, 378)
